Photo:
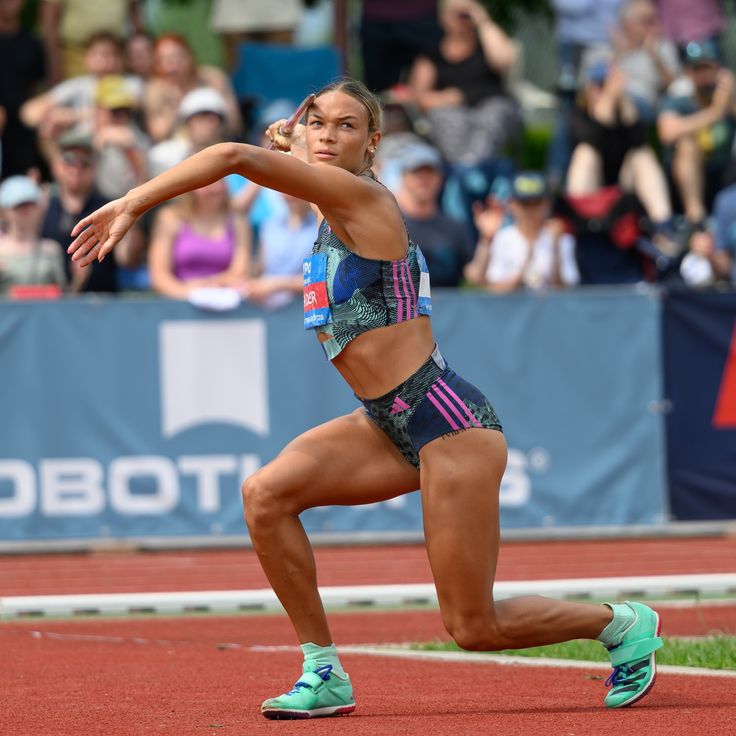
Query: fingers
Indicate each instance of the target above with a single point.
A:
(83, 242)
(81, 225)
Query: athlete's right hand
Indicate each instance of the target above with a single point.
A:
(97, 234)
(284, 141)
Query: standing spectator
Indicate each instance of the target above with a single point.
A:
(202, 112)
(579, 25)
(648, 61)
(611, 148)
(447, 244)
(198, 243)
(684, 20)
(237, 21)
(285, 240)
(462, 86)
(71, 104)
(392, 35)
(26, 258)
(22, 69)
(74, 197)
(175, 73)
(67, 26)
(120, 145)
(697, 130)
(534, 252)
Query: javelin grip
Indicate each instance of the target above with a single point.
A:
(296, 116)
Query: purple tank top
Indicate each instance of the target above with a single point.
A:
(196, 256)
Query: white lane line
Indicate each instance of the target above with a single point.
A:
(362, 595)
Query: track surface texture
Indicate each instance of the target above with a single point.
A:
(206, 675)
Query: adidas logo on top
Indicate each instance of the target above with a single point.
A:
(399, 405)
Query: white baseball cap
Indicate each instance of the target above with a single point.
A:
(16, 190)
(202, 99)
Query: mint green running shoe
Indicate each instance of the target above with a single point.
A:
(634, 666)
(319, 692)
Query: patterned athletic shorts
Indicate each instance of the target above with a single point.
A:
(435, 401)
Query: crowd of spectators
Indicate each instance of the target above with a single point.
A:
(92, 103)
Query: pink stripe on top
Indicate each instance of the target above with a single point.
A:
(452, 406)
(411, 286)
(441, 410)
(406, 290)
(459, 401)
(399, 318)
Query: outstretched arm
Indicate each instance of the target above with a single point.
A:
(329, 187)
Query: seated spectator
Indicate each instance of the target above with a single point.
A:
(74, 197)
(715, 247)
(202, 113)
(461, 87)
(175, 73)
(285, 240)
(198, 243)
(67, 25)
(447, 244)
(610, 146)
(22, 69)
(534, 252)
(120, 144)
(697, 130)
(71, 103)
(26, 258)
(648, 61)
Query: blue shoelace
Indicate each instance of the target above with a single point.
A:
(323, 672)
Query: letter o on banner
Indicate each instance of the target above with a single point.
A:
(157, 487)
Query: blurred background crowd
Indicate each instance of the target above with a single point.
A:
(532, 144)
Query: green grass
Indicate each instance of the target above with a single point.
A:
(714, 652)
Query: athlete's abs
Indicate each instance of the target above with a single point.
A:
(377, 361)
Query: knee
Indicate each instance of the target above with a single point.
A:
(262, 501)
(477, 633)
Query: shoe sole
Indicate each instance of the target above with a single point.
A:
(281, 714)
(650, 684)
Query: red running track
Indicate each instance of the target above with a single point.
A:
(121, 572)
(188, 684)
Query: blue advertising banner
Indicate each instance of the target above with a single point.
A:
(700, 381)
(140, 418)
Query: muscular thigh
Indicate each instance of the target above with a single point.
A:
(345, 461)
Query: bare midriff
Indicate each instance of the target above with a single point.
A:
(379, 360)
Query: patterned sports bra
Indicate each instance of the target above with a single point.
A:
(346, 294)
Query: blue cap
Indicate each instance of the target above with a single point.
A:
(527, 185)
(700, 52)
(418, 155)
(16, 190)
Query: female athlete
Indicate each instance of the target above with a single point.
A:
(367, 298)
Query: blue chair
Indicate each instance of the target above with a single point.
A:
(266, 72)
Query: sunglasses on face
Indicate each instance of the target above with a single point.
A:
(78, 160)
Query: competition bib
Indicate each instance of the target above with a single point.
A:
(316, 305)
(425, 295)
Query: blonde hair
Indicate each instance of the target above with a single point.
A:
(372, 104)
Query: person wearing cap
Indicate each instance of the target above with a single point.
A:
(26, 258)
(71, 103)
(532, 252)
(74, 166)
(610, 146)
(121, 146)
(697, 129)
(447, 244)
(203, 115)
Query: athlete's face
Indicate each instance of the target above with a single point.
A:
(337, 132)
